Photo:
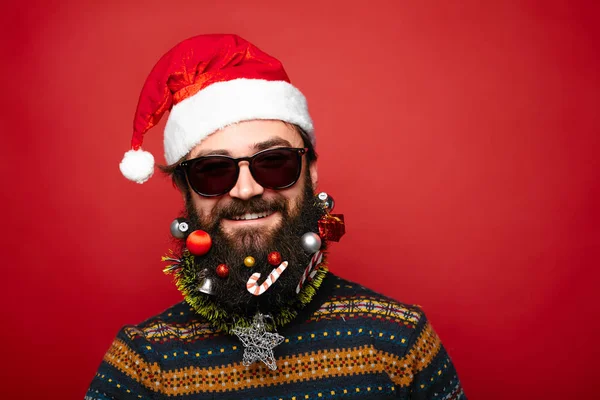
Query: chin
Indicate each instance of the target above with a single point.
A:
(250, 238)
(245, 233)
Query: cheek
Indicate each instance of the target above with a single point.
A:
(294, 195)
(204, 206)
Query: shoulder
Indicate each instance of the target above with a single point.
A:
(347, 299)
(178, 322)
(400, 337)
(357, 316)
(134, 358)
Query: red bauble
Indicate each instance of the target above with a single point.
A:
(274, 258)
(222, 270)
(198, 243)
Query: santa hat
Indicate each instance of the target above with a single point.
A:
(208, 82)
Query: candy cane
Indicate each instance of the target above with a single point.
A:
(315, 260)
(256, 289)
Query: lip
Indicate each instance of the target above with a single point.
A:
(250, 222)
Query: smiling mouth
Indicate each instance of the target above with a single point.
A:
(251, 216)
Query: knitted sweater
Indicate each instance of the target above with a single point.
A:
(348, 342)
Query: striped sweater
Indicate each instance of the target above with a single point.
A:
(349, 342)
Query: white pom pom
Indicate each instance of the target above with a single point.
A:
(137, 165)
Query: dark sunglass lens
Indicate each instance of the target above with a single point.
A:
(277, 168)
(212, 175)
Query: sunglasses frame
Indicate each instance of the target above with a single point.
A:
(185, 166)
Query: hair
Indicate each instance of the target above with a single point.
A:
(178, 178)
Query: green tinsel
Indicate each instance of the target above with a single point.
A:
(186, 279)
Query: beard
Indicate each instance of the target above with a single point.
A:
(230, 294)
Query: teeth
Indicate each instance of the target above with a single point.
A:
(249, 216)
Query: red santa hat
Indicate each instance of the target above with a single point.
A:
(208, 82)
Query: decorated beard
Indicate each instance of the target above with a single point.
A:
(225, 270)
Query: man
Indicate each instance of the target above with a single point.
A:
(262, 316)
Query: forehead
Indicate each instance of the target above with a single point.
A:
(240, 139)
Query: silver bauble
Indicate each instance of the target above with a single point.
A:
(327, 201)
(311, 242)
(180, 228)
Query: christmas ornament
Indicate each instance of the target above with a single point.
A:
(222, 270)
(257, 289)
(179, 228)
(314, 261)
(327, 200)
(173, 267)
(311, 242)
(198, 243)
(274, 258)
(249, 261)
(258, 343)
(332, 227)
(206, 283)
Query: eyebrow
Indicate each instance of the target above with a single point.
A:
(259, 146)
(275, 141)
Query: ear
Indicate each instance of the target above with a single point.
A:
(314, 175)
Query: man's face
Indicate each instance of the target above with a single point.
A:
(245, 139)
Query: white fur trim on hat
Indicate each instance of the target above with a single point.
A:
(225, 103)
(137, 165)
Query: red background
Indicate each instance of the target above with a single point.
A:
(460, 141)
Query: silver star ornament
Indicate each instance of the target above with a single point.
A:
(258, 343)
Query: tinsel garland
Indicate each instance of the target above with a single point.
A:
(186, 279)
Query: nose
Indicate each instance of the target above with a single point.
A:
(246, 187)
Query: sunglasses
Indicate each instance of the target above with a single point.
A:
(215, 175)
